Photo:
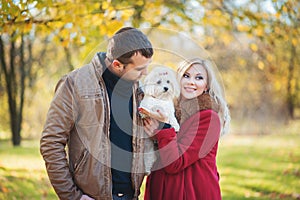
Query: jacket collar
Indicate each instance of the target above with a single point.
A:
(187, 107)
(99, 63)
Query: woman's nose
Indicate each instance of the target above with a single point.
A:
(191, 82)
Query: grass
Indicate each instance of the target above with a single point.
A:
(260, 167)
(251, 167)
(22, 172)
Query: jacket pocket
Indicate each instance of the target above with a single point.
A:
(79, 165)
(91, 109)
(90, 177)
(92, 96)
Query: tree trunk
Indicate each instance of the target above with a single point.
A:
(12, 89)
(290, 95)
(14, 74)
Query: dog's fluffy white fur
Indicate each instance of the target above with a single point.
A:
(161, 88)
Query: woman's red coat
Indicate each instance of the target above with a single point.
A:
(186, 169)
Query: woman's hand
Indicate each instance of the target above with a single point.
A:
(150, 125)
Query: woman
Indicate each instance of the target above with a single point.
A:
(187, 167)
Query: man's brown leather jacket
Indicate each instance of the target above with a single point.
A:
(78, 118)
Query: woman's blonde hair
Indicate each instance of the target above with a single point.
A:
(215, 89)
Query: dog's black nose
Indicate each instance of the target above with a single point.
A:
(166, 89)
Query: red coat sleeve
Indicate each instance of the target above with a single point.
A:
(196, 138)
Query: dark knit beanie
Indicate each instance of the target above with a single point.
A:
(127, 41)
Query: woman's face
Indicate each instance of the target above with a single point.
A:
(193, 82)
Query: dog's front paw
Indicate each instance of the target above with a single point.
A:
(143, 112)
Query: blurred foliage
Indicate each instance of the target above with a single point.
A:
(254, 43)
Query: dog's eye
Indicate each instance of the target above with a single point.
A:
(158, 82)
(168, 81)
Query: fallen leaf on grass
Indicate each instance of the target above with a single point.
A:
(4, 189)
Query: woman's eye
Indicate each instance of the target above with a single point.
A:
(199, 77)
(185, 76)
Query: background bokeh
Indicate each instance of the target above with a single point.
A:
(254, 44)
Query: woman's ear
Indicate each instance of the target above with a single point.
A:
(206, 91)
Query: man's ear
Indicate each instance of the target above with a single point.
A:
(117, 64)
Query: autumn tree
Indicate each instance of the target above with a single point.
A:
(269, 29)
(273, 27)
(21, 24)
(68, 24)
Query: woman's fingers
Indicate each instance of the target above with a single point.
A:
(158, 115)
(150, 125)
(161, 114)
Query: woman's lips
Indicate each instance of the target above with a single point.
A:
(189, 89)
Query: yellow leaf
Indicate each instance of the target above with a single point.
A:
(261, 65)
(4, 189)
(284, 8)
(277, 30)
(126, 14)
(227, 39)
(270, 57)
(140, 3)
(278, 85)
(242, 28)
(253, 47)
(105, 5)
(97, 19)
(259, 32)
(65, 43)
(103, 30)
(242, 62)
(294, 41)
(114, 26)
(217, 13)
(27, 27)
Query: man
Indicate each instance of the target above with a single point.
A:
(94, 113)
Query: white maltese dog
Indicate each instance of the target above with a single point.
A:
(161, 88)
